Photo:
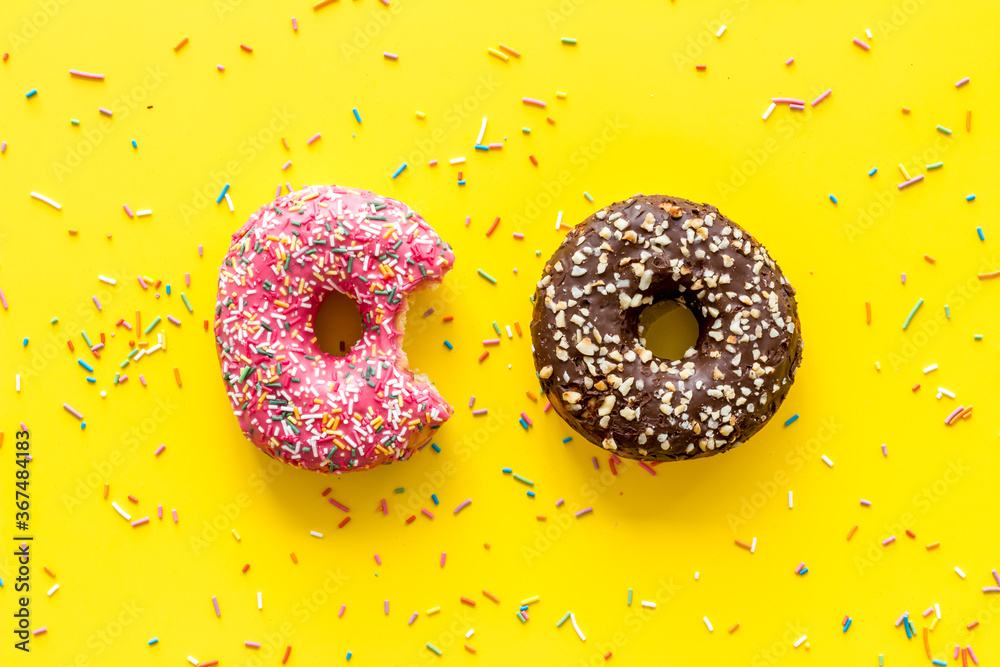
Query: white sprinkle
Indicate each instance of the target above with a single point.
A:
(53, 204)
(708, 623)
(17, 383)
(105, 279)
(482, 132)
(53, 590)
(193, 661)
(144, 212)
(721, 30)
(260, 601)
(510, 334)
(121, 511)
(470, 632)
(647, 603)
(769, 110)
(572, 618)
(559, 220)
(937, 610)
(789, 500)
(799, 641)
(827, 460)
(315, 534)
(697, 575)
(868, 33)
(958, 570)
(753, 545)
(457, 160)
(932, 367)
(942, 390)
(229, 201)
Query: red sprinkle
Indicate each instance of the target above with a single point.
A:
(412, 518)
(493, 226)
(288, 652)
(246, 48)
(246, 567)
(533, 160)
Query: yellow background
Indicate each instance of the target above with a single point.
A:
(638, 117)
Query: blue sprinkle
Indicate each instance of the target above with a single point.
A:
(349, 654)
(531, 493)
(168, 289)
(91, 379)
(803, 570)
(222, 195)
(970, 197)
(449, 345)
(567, 439)
(506, 471)
(435, 447)
(154, 640)
(435, 499)
(83, 424)
(399, 171)
(792, 419)
(935, 661)
(26, 342)
(482, 147)
(1, 583)
(135, 145)
(85, 365)
(979, 230)
(833, 199)
(523, 423)
(848, 624)
(588, 196)
(872, 172)
(462, 182)
(357, 117)
(31, 93)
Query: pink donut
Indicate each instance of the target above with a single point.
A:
(294, 401)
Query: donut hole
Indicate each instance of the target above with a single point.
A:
(669, 329)
(338, 324)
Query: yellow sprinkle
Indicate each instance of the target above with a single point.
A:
(902, 170)
(433, 610)
(496, 54)
(560, 94)
(421, 114)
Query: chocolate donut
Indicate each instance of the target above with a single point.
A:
(592, 359)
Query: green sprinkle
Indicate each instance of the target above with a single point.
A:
(123, 364)
(520, 617)
(74, 121)
(942, 128)
(496, 327)
(152, 325)
(569, 40)
(186, 302)
(912, 313)
(936, 165)
(630, 596)
(487, 276)
(53, 320)
(947, 311)
(588, 196)
(521, 478)
(433, 648)
(563, 620)
(526, 130)
(400, 489)
(86, 339)
(978, 336)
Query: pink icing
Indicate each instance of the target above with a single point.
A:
(294, 401)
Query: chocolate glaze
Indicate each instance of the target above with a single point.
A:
(591, 357)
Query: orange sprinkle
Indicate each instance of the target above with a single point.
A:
(180, 45)
(734, 628)
(540, 517)
(528, 393)
(491, 596)
(930, 259)
(493, 226)
(322, 3)
(106, 488)
(72, 231)
(987, 276)
(741, 543)
(868, 312)
(927, 643)
(906, 109)
(447, 318)
(509, 50)
(469, 649)
(933, 545)
(517, 327)
(248, 49)
(49, 572)
(177, 376)
(550, 120)
(295, 559)
(851, 532)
